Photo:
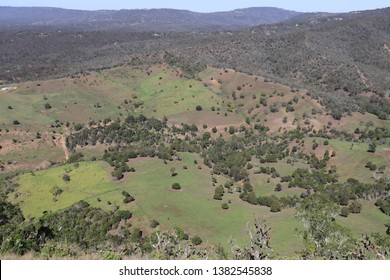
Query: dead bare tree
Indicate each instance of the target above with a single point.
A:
(259, 234)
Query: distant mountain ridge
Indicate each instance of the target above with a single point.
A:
(161, 20)
(337, 57)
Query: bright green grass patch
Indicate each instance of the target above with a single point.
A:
(162, 97)
(351, 162)
(79, 105)
(351, 158)
(67, 104)
(103, 96)
(191, 208)
(87, 182)
(284, 238)
(23, 109)
(262, 188)
(370, 220)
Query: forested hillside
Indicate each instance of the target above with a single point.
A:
(347, 54)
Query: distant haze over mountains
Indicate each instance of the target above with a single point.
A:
(160, 20)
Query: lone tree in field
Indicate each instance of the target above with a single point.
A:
(196, 240)
(173, 171)
(276, 206)
(154, 223)
(355, 207)
(371, 148)
(66, 178)
(218, 192)
(198, 108)
(128, 199)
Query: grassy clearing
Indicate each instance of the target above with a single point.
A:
(90, 152)
(101, 95)
(211, 119)
(22, 150)
(30, 158)
(358, 120)
(351, 160)
(191, 208)
(87, 182)
(370, 220)
(168, 96)
(22, 109)
(264, 188)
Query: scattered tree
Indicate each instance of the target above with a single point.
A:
(355, 207)
(66, 177)
(196, 240)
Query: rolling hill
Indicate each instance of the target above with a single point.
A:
(181, 141)
(342, 60)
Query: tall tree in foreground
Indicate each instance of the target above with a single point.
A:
(323, 237)
(260, 247)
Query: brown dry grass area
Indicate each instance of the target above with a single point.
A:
(17, 166)
(276, 123)
(385, 154)
(319, 151)
(206, 117)
(246, 87)
(21, 150)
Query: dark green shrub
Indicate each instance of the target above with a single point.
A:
(128, 199)
(66, 177)
(154, 223)
(355, 207)
(276, 206)
(196, 240)
(344, 212)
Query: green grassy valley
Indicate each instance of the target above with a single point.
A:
(156, 148)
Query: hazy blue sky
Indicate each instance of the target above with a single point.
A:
(206, 5)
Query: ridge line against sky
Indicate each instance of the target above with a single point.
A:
(205, 5)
